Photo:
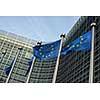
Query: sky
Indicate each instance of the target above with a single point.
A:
(39, 28)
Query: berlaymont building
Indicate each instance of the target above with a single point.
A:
(73, 67)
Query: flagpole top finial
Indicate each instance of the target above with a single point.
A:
(39, 43)
(62, 35)
(20, 48)
(4, 52)
(93, 24)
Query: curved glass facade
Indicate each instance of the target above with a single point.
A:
(74, 67)
(42, 71)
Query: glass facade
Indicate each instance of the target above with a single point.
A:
(73, 67)
(10, 43)
(42, 71)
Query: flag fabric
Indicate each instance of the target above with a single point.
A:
(80, 44)
(47, 51)
(0, 55)
(30, 63)
(7, 69)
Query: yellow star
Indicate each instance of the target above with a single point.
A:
(39, 49)
(77, 45)
(43, 56)
(73, 46)
(40, 53)
(82, 38)
(80, 42)
(46, 56)
(51, 52)
(52, 48)
(67, 45)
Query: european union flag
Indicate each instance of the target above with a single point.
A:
(80, 44)
(30, 63)
(47, 51)
(7, 70)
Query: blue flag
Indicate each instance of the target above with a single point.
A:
(0, 55)
(7, 69)
(30, 63)
(47, 51)
(80, 44)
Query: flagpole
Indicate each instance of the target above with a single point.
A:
(92, 54)
(30, 70)
(4, 52)
(29, 75)
(13, 65)
(58, 58)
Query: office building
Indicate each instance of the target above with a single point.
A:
(73, 67)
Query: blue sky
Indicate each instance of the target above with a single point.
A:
(41, 28)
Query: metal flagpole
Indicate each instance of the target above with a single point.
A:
(28, 78)
(92, 54)
(58, 58)
(13, 65)
(30, 70)
(4, 52)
